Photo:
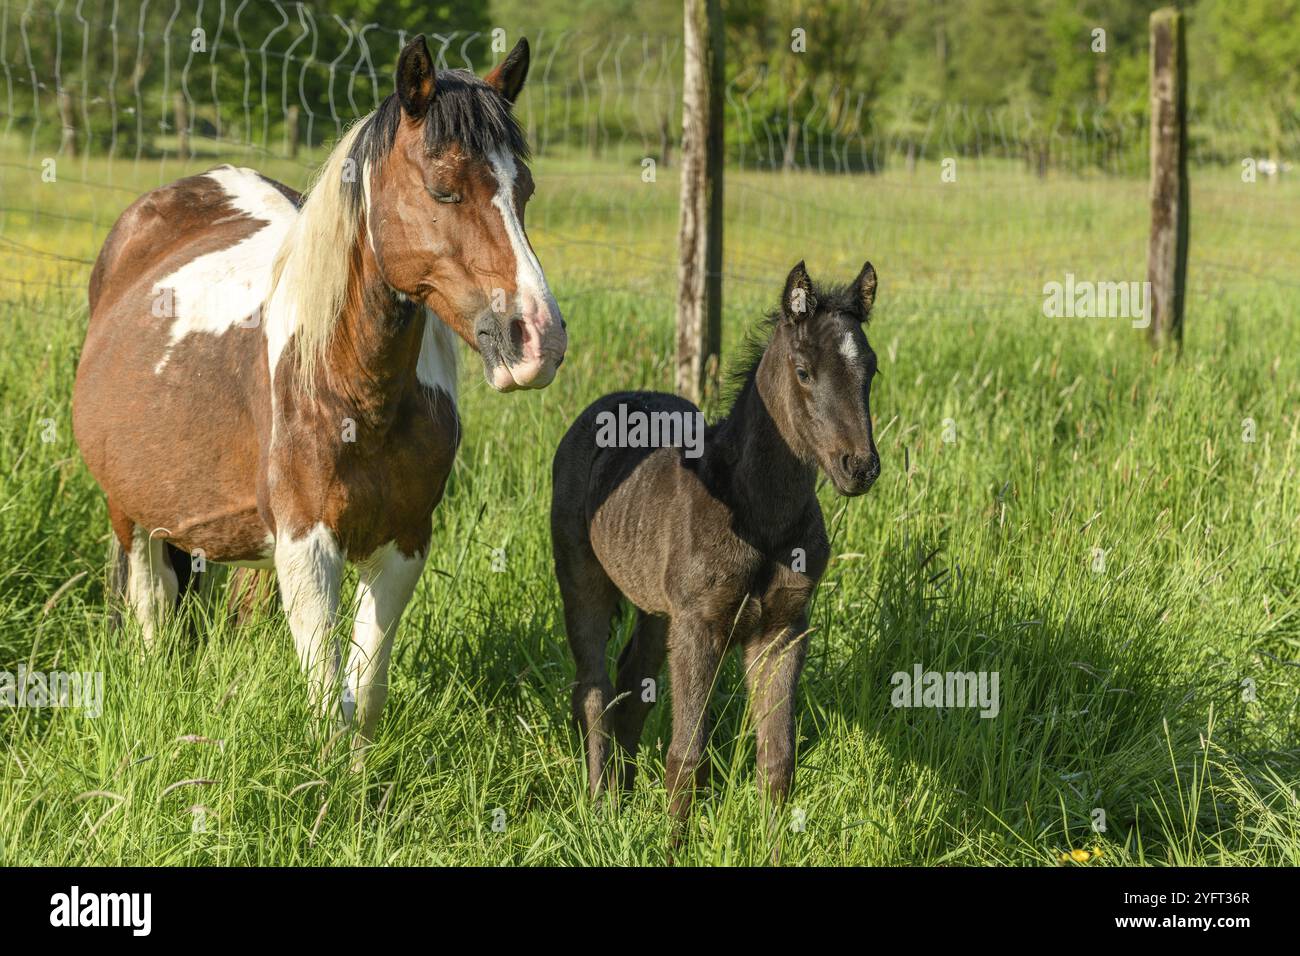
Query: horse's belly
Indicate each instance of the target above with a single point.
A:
(178, 450)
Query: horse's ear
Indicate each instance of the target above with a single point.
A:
(864, 289)
(415, 78)
(509, 75)
(798, 301)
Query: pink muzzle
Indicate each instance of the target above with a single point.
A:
(544, 341)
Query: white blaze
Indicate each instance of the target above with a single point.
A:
(529, 279)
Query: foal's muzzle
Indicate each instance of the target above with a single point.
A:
(855, 474)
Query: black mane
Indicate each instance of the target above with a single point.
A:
(464, 111)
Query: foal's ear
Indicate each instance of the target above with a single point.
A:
(798, 301)
(864, 290)
(415, 78)
(509, 75)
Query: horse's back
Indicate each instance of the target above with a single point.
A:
(172, 394)
(174, 224)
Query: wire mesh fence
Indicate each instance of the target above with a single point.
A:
(104, 99)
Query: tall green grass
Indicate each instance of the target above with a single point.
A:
(1121, 681)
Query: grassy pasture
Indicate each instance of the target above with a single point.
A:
(1121, 681)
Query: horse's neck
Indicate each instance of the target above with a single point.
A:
(764, 474)
(375, 346)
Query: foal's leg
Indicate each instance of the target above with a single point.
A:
(590, 600)
(695, 654)
(309, 570)
(151, 586)
(640, 661)
(387, 581)
(774, 657)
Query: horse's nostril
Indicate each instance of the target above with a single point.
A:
(518, 333)
(860, 469)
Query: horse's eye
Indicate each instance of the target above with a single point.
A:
(803, 374)
(444, 197)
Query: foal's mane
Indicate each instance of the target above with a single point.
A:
(743, 368)
(307, 278)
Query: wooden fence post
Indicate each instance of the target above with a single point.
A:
(699, 238)
(1167, 251)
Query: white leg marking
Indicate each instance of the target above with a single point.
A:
(309, 571)
(151, 584)
(387, 581)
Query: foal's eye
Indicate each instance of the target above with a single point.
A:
(803, 374)
(444, 197)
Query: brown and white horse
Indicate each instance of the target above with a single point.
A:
(270, 381)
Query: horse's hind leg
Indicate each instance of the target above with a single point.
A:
(151, 586)
(590, 600)
(183, 564)
(119, 567)
(638, 677)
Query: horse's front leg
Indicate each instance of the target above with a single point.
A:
(309, 569)
(386, 582)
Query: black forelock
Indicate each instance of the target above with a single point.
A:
(464, 111)
(837, 298)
